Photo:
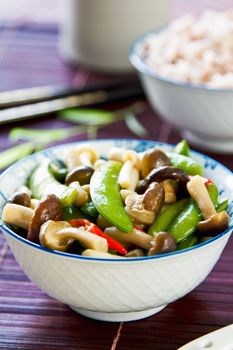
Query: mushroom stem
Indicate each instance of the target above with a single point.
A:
(18, 215)
(85, 159)
(83, 154)
(199, 193)
(58, 235)
(89, 240)
(128, 176)
(137, 237)
(169, 191)
(82, 196)
(133, 156)
(213, 222)
(97, 254)
(116, 153)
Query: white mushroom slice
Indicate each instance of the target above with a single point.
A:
(90, 240)
(199, 193)
(169, 191)
(87, 189)
(97, 254)
(82, 196)
(34, 203)
(128, 176)
(134, 180)
(83, 154)
(116, 153)
(137, 237)
(48, 235)
(58, 235)
(133, 156)
(17, 215)
(213, 222)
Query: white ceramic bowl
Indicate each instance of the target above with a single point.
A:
(204, 115)
(115, 290)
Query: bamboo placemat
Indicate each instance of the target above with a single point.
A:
(29, 319)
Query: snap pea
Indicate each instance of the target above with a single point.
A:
(42, 182)
(188, 242)
(71, 212)
(213, 192)
(186, 222)
(222, 206)
(89, 209)
(182, 148)
(187, 164)
(105, 194)
(164, 219)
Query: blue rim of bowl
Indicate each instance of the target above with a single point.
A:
(80, 257)
(143, 68)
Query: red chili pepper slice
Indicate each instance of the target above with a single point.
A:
(205, 180)
(90, 227)
(139, 228)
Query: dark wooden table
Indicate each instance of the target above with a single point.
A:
(29, 319)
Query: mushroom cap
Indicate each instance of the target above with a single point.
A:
(143, 208)
(81, 173)
(153, 158)
(153, 198)
(163, 242)
(214, 225)
(50, 240)
(21, 198)
(135, 253)
(161, 174)
(48, 208)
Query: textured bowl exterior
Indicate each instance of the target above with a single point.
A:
(115, 286)
(205, 114)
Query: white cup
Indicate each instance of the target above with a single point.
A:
(98, 33)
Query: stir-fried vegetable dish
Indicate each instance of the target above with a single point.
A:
(128, 205)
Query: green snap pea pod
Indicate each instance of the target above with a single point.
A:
(89, 209)
(58, 170)
(188, 242)
(186, 222)
(42, 183)
(105, 195)
(182, 148)
(71, 212)
(213, 192)
(222, 206)
(187, 164)
(164, 219)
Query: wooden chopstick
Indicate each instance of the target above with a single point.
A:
(37, 109)
(43, 93)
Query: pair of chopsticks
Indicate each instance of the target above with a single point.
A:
(33, 102)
